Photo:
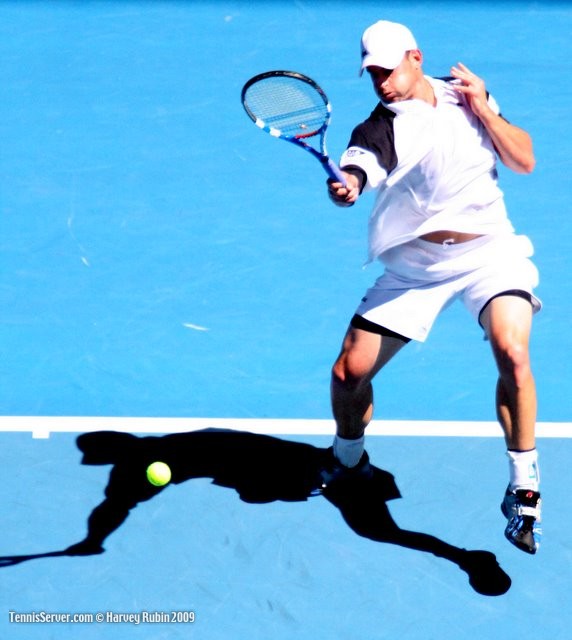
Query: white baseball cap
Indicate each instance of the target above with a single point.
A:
(384, 44)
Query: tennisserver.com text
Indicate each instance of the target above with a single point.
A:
(102, 617)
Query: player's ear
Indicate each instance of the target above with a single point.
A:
(415, 58)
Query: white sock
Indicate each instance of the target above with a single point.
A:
(524, 472)
(348, 452)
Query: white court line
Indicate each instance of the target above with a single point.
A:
(42, 426)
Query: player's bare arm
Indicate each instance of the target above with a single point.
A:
(345, 196)
(513, 144)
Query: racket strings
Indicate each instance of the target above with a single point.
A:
(289, 105)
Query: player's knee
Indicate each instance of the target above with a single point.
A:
(514, 360)
(339, 374)
(348, 371)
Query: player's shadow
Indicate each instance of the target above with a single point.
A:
(261, 469)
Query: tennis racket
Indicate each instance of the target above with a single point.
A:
(292, 107)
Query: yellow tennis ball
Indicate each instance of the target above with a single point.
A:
(159, 474)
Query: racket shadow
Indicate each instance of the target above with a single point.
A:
(261, 469)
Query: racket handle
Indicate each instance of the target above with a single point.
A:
(333, 171)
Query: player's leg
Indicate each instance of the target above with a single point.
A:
(364, 352)
(366, 349)
(507, 320)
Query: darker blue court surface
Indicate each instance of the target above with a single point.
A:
(236, 541)
(162, 258)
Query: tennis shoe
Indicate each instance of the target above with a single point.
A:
(522, 508)
(334, 475)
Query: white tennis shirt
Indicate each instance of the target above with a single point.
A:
(434, 168)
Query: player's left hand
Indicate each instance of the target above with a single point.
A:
(473, 87)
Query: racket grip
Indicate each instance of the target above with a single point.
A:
(333, 171)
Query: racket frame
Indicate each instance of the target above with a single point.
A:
(320, 154)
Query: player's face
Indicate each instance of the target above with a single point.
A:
(396, 85)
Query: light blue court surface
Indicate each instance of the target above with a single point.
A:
(162, 259)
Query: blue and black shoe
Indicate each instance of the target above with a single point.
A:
(335, 476)
(522, 508)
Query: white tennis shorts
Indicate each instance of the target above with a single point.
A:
(422, 278)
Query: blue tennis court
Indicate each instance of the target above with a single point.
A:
(171, 274)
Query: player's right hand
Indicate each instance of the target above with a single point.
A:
(344, 196)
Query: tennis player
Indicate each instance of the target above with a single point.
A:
(440, 228)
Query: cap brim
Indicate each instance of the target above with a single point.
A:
(384, 62)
